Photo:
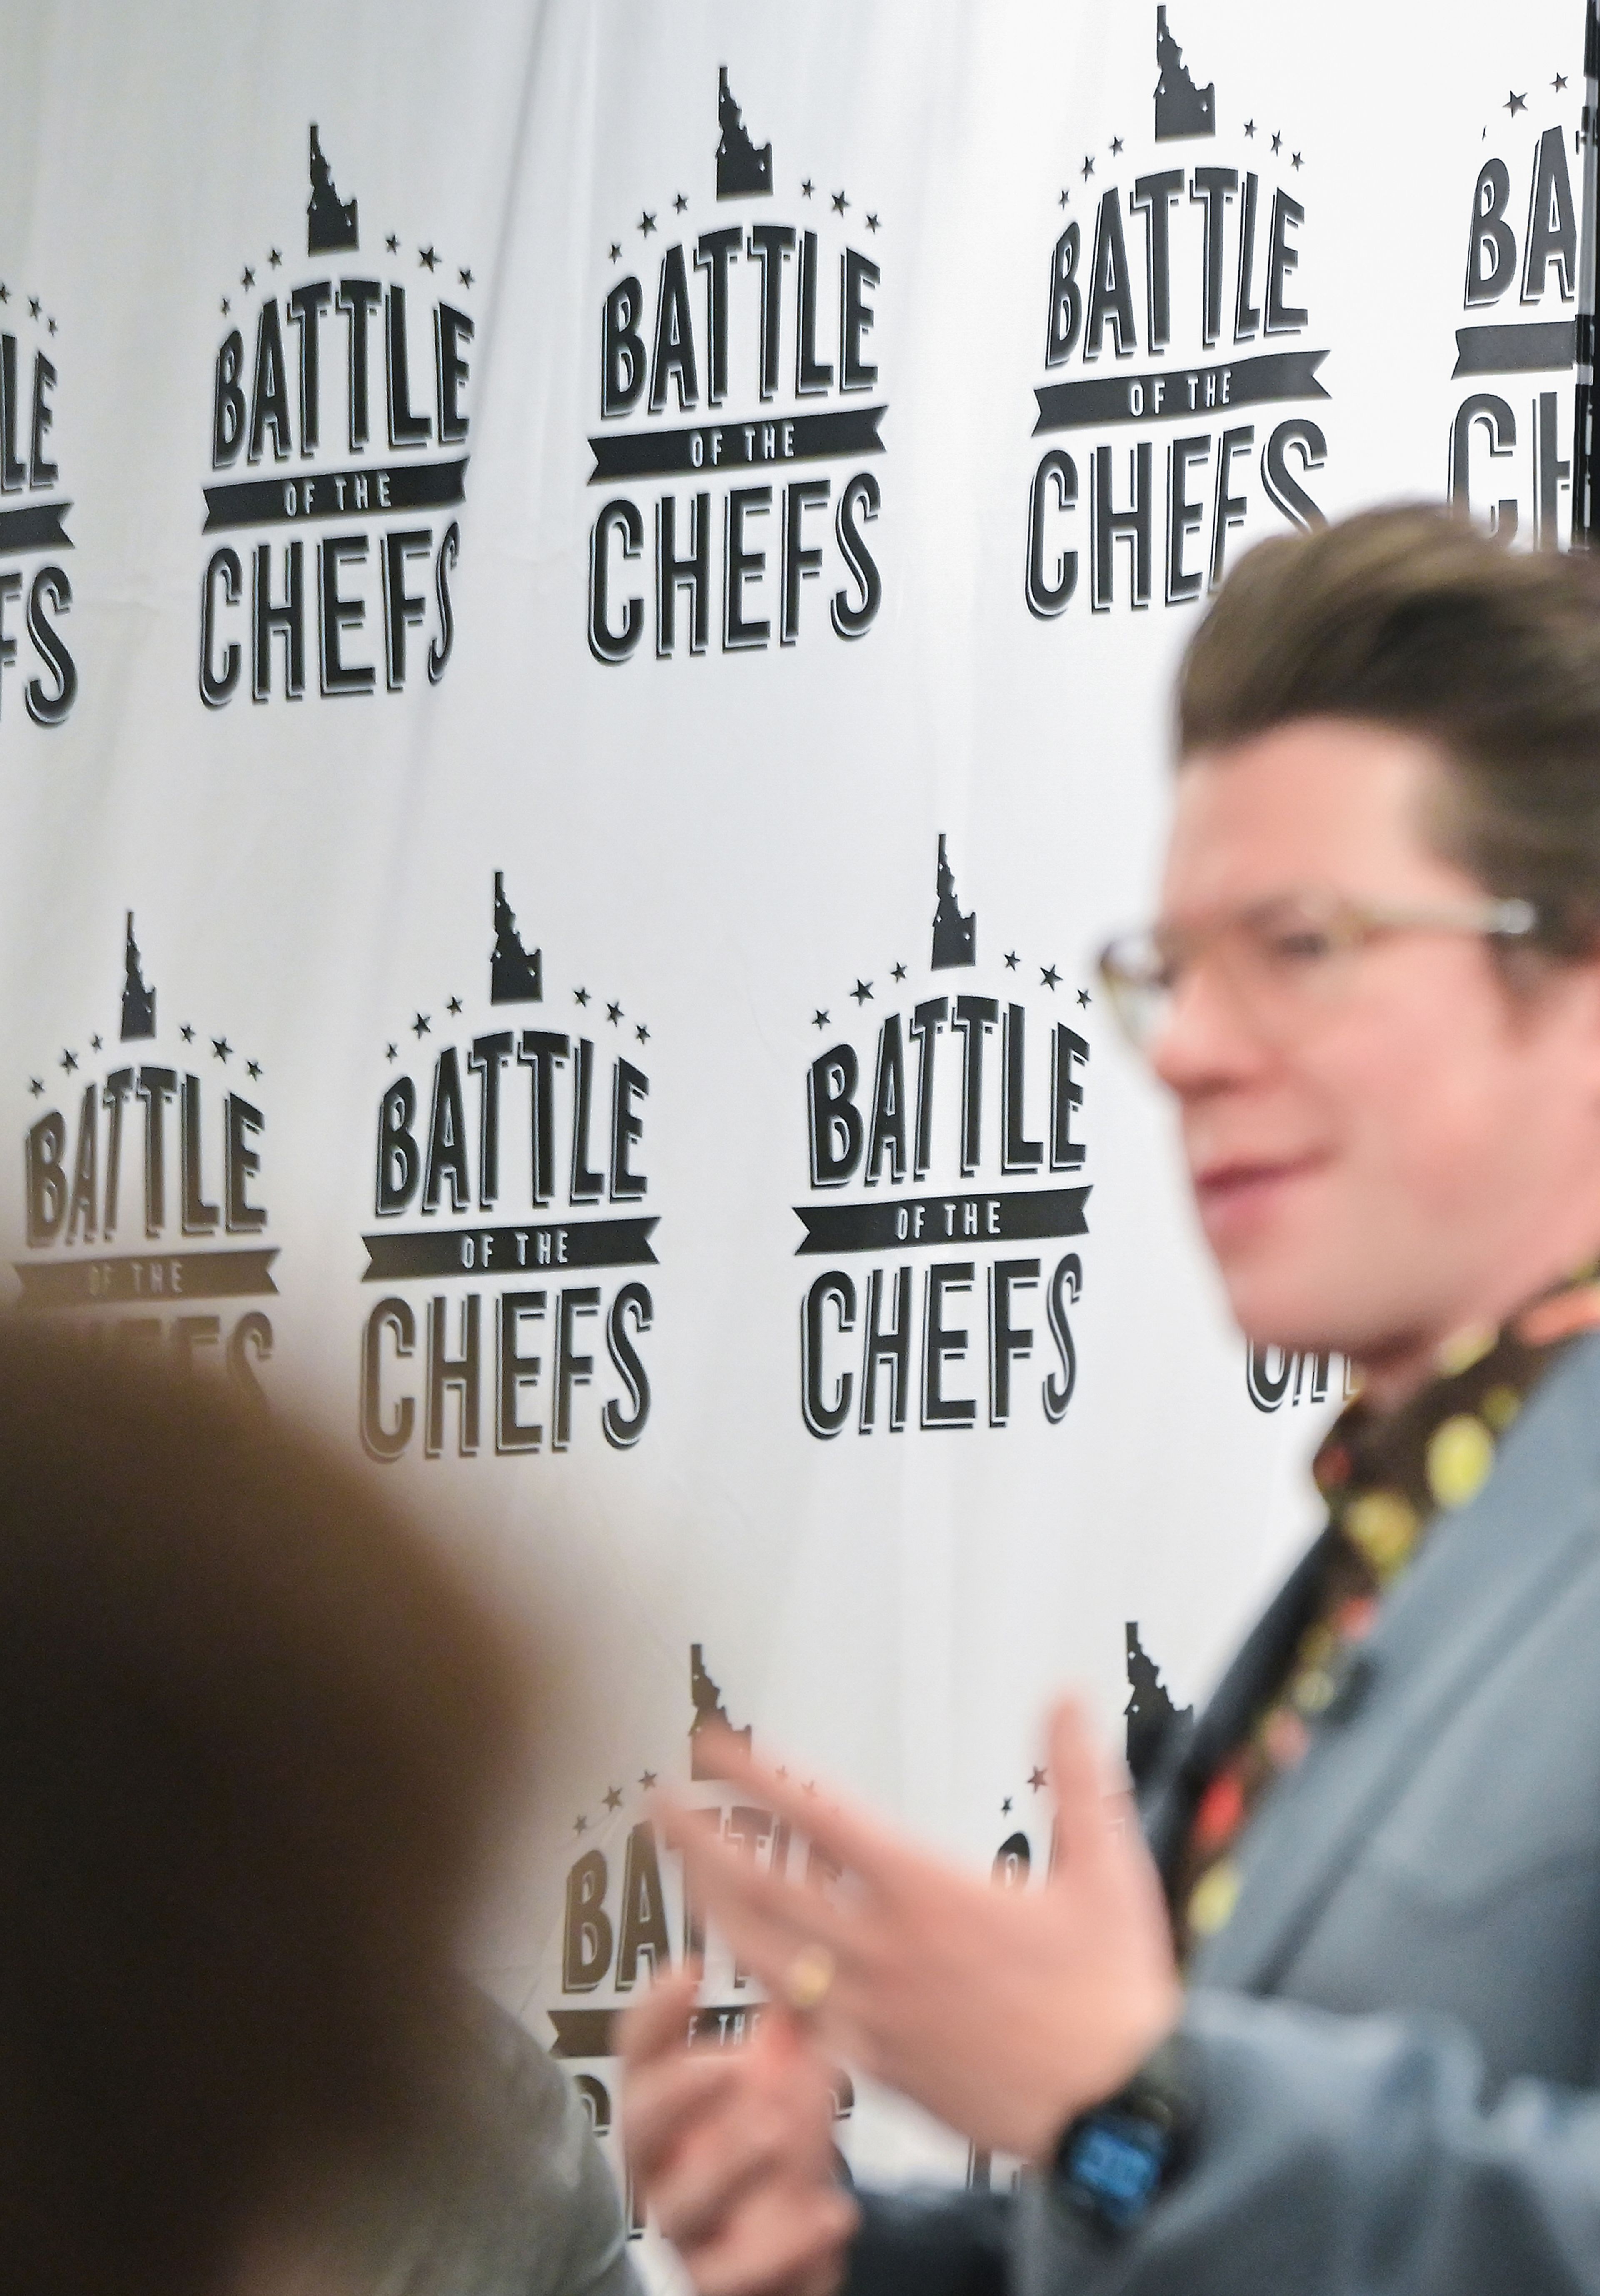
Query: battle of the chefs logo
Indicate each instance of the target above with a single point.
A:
(740, 404)
(338, 462)
(38, 676)
(145, 1210)
(945, 1149)
(1180, 367)
(625, 1919)
(510, 1172)
(1511, 416)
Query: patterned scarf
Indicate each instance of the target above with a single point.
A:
(1386, 1480)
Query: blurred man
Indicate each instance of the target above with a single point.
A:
(1374, 992)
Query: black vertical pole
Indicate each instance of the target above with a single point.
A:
(1586, 480)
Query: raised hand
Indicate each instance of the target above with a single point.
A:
(1004, 2012)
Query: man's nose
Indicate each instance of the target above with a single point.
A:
(1206, 1041)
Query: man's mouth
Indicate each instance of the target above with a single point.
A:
(1235, 1195)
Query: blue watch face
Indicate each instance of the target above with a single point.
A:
(1115, 2164)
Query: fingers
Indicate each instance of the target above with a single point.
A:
(1076, 1776)
(759, 1912)
(792, 2247)
(659, 2018)
(856, 1840)
(664, 2104)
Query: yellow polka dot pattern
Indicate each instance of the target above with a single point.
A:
(1211, 1906)
(1384, 1527)
(1458, 1458)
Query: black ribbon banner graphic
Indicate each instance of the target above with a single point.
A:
(1179, 392)
(510, 1250)
(336, 493)
(738, 445)
(162, 1278)
(1536, 344)
(36, 526)
(592, 2032)
(900, 1225)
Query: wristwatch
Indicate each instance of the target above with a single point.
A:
(1113, 2159)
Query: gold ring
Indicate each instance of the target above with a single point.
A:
(810, 1979)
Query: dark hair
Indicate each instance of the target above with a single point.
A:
(1411, 617)
(254, 1736)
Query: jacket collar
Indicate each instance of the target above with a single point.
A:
(1487, 1574)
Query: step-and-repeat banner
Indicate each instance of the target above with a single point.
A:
(588, 602)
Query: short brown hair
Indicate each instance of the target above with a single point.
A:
(254, 1735)
(1412, 617)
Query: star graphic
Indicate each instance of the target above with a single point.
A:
(613, 1799)
(1116, 146)
(423, 1025)
(580, 1826)
(810, 1787)
(275, 257)
(1010, 960)
(1249, 127)
(391, 1051)
(220, 1049)
(807, 188)
(187, 1032)
(427, 256)
(896, 972)
(5, 292)
(839, 203)
(36, 1085)
(862, 990)
(51, 325)
(247, 277)
(69, 1061)
(94, 1043)
(33, 304)
(680, 203)
(872, 223)
(646, 222)
(641, 1032)
(1514, 103)
(1295, 159)
(1066, 197)
(227, 306)
(393, 242)
(454, 1005)
(253, 1068)
(614, 1013)
(1277, 141)
(647, 1779)
(1083, 998)
(1088, 167)
(465, 276)
(1048, 976)
(819, 1019)
(580, 997)
(616, 249)
(1006, 1807)
(1559, 82)
(1035, 1779)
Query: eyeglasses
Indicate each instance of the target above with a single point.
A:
(1284, 958)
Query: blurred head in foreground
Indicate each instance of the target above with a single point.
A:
(255, 1736)
(1372, 984)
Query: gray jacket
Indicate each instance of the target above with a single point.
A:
(533, 2211)
(1395, 2043)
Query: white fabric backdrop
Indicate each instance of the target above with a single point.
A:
(722, 840)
